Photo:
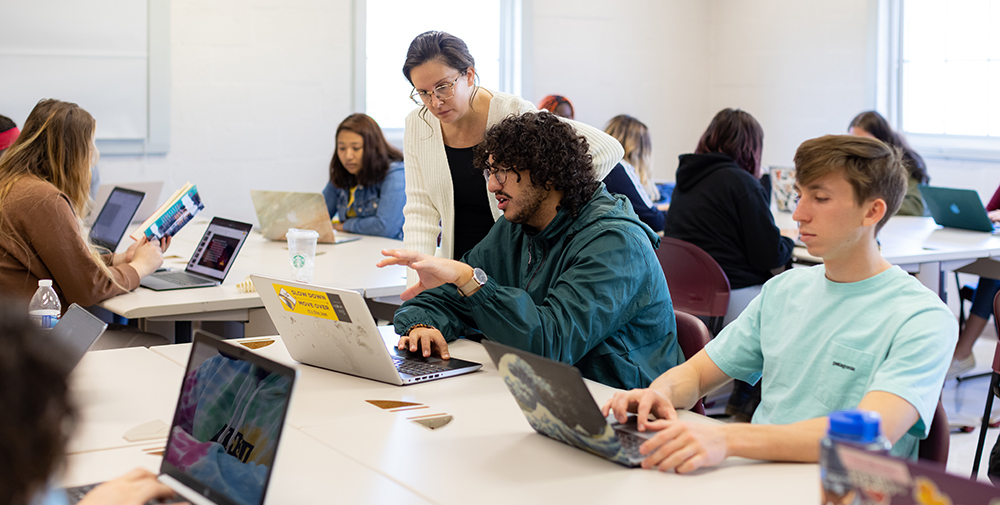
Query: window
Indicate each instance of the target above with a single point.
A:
(489, 27)
(947, 66)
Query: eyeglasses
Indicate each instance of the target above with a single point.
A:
(499, 173)
(442, 92)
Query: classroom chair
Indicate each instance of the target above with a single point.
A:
(692, 336)
(935, 447)
(993, 391)
(697, 284)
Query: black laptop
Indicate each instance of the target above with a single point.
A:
(211, 260)
(114, 218)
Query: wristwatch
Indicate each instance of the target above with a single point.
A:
(478, 279)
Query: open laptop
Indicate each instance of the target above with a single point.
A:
(884, 479)
(149, 204)
(278, 211)
(557, 404)
(333, 329)
(957, 208)
(226, 428)
(76, 332)
(211, 260)
(117, 213)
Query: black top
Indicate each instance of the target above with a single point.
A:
(619, 182)
(722, 209)
(473, 216)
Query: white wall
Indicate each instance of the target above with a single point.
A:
(258, 88)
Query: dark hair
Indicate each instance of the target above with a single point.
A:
(736, 134)
(874, 169)
(6, 123)
(378, 153)
(37, 412)
(443, 46)
(549, 148)
(551, 102)
(876, 125)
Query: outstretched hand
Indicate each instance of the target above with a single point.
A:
(431, 270)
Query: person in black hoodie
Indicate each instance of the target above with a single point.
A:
(720, 206)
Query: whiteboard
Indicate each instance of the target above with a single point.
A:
(94, 53)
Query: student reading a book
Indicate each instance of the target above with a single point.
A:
(44, 189)
(445, 196)
(367, 186)
(854, 332)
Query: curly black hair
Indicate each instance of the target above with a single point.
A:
(549, 148)
(37, 411)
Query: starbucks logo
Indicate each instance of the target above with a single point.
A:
(298, 261)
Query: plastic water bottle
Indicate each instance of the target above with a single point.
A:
(45, 308)
(859, 429)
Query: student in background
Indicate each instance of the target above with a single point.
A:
(36, 420)
(720, 206)
(558, 105)
(633, 177)
(872, 124)
(44, 189)
(367, 186)
(8, 133)
(979, 314)
(445, 196)
(854, 332)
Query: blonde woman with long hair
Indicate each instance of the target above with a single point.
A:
(634, 137)
(44, 190)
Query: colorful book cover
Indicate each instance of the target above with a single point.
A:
(172, 215)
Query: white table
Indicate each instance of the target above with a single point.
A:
(338, 448)
(349, 265)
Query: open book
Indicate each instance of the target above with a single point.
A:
(172, 215)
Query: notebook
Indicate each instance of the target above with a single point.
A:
(227, 424)
(76, 332)
(334, 329)
(957, 208)
(278, 211)
(149, 204)
(884, 479)
(115, 216)
(211, 260)
(557, 404)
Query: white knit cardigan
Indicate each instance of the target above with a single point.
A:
(430, 196)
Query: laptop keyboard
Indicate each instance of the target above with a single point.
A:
(417, 367)
(630, 444)
(180, 278)
(75, 494)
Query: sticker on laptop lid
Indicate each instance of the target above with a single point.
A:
(312, 303)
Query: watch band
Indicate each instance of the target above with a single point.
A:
(478, 279)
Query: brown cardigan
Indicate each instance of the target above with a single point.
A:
(44, 220)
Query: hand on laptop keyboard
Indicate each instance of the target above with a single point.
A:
(135, 487)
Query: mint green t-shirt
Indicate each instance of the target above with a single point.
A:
(822, 345)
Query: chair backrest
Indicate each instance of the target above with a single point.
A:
(692, 336)
(935, 447)
(697, 283)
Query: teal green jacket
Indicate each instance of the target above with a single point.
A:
(587, 291)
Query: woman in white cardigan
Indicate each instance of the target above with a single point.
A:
(445, 195)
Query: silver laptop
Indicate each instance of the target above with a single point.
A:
(115, 216)
(277, 211)
(556, 402)
(76, 331)
(333, 329)
(211, 260)
(223, 459)
(957, 208)
(151, 189)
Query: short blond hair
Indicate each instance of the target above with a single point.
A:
(873, 168)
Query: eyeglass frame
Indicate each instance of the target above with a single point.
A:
(499, 173)
(418, 96)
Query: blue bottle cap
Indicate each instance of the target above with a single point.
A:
(860, 426)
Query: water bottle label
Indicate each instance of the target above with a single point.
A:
(46, 321)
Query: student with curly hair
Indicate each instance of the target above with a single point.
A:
(36, 420)
(447, 202)
(366, 189)
(568, 272)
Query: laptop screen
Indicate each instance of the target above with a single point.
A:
(115, 216)
(228, 421)
(218, 247)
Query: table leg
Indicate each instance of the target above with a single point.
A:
(182, 332)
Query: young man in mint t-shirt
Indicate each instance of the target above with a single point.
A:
(855, 332)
